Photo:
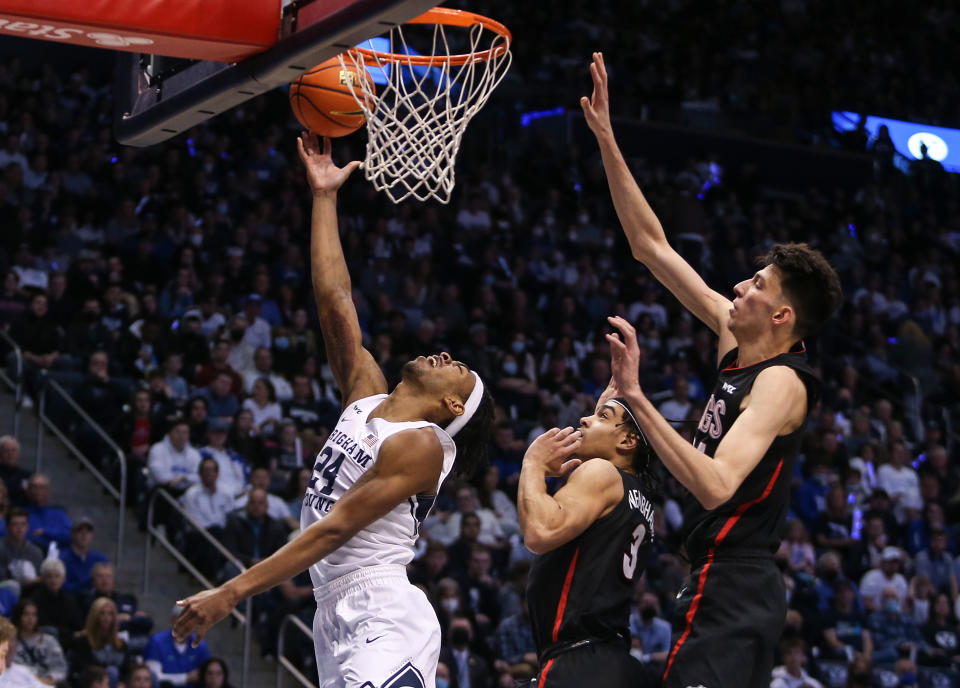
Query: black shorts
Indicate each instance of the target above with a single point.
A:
(602, 664)
(728, 621)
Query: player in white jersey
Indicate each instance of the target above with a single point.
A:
(373, 483)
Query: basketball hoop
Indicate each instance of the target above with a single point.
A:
(417, 115)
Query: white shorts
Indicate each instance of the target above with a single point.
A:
(373, 629)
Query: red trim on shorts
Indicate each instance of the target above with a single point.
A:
(561, 607)
(721, 536)
(543, 676)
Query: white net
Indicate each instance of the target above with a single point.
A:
(422, 105)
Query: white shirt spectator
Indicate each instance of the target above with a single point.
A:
(32, 278)
(490, 530)
(656, 311)
(280, 385)
(874, 582)
(19, 676)
(784, 679)
(166, 463)
(207, 508)
(900, 482)
(261, 415)
(258, 333)
(240, 357)
(473, 219)
(674, 410)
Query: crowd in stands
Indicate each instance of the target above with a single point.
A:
(168, 290)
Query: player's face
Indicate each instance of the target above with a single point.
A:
(756, 300)
(602, 432)
(439, 373)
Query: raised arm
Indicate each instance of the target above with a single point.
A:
(409, 464)
(548, 522)
(648, 241)
(355, 370)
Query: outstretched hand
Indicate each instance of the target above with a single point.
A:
(322, 175)
(200, 613)
(624, 356)
(551, 449)
(596, 108)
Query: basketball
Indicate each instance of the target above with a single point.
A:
(322, 101)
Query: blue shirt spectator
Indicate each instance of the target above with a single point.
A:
(79, 559)
(892, 630)
(173, 662)
(653, 632)
(47, 523)
(513, 639)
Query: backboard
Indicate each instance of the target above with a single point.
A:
(157, 97)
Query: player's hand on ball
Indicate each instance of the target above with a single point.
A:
(596, 108)
(201, 612)
(552, 448)
(322, 175)
(625, 356)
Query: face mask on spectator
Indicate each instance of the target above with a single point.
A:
(459, 637)
(442, 683)
(236, 334)
(451, 604)
(281, 343)
(891, 606)
(510, 368)
(518, 347)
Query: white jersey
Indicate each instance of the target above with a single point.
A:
(352, 448)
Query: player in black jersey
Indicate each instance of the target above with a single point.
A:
(592, 538)
(731, 612)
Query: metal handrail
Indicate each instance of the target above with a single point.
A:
(121, 494)
(17, 384)
(283, 662)
(154, 533)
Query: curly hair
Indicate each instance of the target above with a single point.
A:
(473, 438)
(808, 281)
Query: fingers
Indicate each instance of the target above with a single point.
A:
(351, 166)
(550, 433)
(626, 329)
(327, 146)
(568, 467)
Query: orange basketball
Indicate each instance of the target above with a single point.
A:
(322, 102)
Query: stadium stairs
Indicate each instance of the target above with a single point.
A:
(75, 489)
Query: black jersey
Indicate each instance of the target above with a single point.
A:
(582, 590)
(753, 519)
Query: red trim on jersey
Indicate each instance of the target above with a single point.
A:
(721, 536)
(803, 350)
(542, 683)
(561, 607)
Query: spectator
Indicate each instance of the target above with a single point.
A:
(172, 367)
(38, 651)
(286, 453)
(305, 410)
(491, 534)
(93, 676)
(240, 356)
(208, 506)
(253, 535)
(131, 619)
(137, 427)
(40, 339)
(941, 633)
(244, 439)
(798, 549)
(97, 395)
(19, 558)
(491, 497)
(467, 668)
(234, 473)
(258, 332)
(198, 421)
(138, 676)
(214, 673)
(14, 477)
(514, 644)
(845, 629)
(677, 408)
(832, 528)
(48, 524)
(482, 589)
(14, 675)
(173, 662)
(459, 551)
(937, 564)
(59, 611)
(277, 509)
(99, 644)
(297, 490)
(172, 462)
(79, 559)
(653, 632)
(221, 402)
(88, 334)
(263, 368)
(900, 480)
(218, 365)
(876, 581)
(893, 631)
(12, 303)
(264, 407)
(792, 674)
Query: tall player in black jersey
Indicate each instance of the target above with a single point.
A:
(731, 612)
(591, 538)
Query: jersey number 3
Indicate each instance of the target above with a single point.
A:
(326, 467)
(630, 556)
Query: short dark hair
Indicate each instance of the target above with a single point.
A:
(809, 283)
(17, 513)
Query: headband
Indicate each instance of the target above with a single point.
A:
(469, 408)
(622, 403)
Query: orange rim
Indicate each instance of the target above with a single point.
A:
(447, 17)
